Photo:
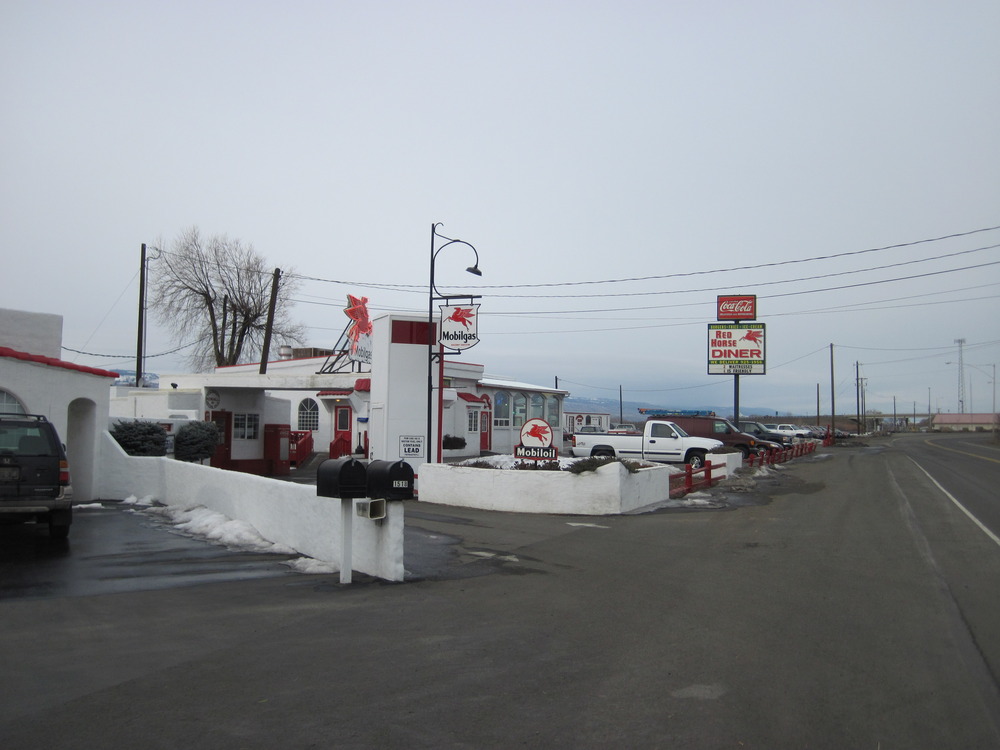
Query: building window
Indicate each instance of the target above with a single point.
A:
(308, 414)
(537, 402)
(473, 420)
(9, 404)
(552, 415)
(520, 408)
(501, 409)
(343, 419)
(246, 426)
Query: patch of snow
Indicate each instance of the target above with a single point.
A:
(309, 566)
(203, 523)
(145, 501)
(89, 506)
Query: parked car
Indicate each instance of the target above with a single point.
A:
(588, 429)
(790, 430)
(722, 429)
(34, 474)
(758, 430)
(623, 429)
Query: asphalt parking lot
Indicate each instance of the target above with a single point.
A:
(802, 616)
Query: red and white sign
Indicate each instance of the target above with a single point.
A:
(459, 326)
(360, 331)
(536, 441)
(736, 349)
(737, 307)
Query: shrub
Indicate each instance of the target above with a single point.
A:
(537, 466)
(593, 463)
(196, 441)
(140, 438)
(451, 442)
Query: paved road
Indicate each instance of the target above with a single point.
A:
(845, 603)
(966, 465)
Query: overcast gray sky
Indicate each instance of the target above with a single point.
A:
(568, 142)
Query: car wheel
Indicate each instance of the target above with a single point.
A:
(696, 459)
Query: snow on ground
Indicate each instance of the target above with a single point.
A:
(510, 462)
(201, 523)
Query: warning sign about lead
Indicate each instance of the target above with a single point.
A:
(411, 446)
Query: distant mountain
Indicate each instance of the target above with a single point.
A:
(629, 410)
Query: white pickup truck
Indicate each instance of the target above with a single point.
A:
(659, 441)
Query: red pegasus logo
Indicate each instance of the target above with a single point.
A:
(463, 315)
(538, 431)
(357, 311)
(752, 336)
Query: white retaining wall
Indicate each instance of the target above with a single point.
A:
(608, 491)
(283, 512)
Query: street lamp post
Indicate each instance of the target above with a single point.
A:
(433, 295)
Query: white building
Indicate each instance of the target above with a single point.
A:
(34, 380)
(381, 414)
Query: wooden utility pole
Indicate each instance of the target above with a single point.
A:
(270, 321)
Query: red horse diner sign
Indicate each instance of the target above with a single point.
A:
(459, 326)
(736, 349)
(737, 307)
(536, 441)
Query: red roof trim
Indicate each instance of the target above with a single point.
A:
(339, 392)
(470, 397)
(53, 362)
(363, 384)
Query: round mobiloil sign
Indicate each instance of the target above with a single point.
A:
(536, 441)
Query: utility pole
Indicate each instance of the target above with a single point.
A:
(270, 321)
(833, 395)
(857, 392)
(961, 376)
(140, 343)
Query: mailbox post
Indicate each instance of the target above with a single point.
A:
(346, 478)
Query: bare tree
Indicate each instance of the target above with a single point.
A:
(216, 293)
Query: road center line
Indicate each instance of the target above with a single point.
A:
(933, 444)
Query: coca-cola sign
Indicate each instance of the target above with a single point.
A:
(737, 307)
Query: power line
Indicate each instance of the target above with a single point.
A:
(419, 287)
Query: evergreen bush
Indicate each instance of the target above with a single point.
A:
(196, 441)
(140, 438)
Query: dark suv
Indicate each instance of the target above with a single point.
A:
(724, 430)
(34, 473)
(758, 430)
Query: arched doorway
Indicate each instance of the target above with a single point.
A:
(81, 447)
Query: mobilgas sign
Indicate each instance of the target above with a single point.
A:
(459, 326)
(736, 349)
(359, 331)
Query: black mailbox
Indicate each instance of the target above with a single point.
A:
(390, 480)
(341, 477)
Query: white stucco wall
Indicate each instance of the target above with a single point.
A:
(75, 402)
(283, 512)
(35, 333)
(610, 490)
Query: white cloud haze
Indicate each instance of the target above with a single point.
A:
(568, 141)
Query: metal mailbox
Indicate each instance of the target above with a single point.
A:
(341, 477)
(390, 480)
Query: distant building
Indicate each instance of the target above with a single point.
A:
(965, 422)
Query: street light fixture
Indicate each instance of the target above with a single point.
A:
(433, 295)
